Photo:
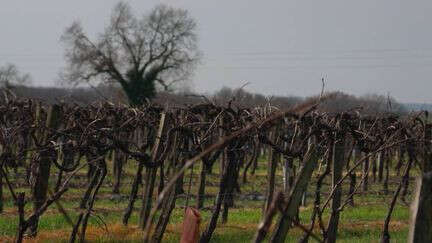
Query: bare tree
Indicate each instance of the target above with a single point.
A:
(10, 76)
(139, 54)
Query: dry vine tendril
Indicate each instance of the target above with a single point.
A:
(164, 143)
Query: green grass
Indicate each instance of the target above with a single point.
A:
(362, 223)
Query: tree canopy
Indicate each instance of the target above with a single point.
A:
(140, 54)
(10, 76)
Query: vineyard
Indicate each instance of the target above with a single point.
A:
(212, 173)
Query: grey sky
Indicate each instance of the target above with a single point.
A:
(280, 47)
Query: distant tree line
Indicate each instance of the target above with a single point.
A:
(339, 101)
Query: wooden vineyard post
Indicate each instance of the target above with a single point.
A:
(421, 222)
(169, 201)
(381, 160)
(291, 207)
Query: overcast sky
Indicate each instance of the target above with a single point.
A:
(280, 47)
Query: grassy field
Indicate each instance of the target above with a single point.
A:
(361, 223)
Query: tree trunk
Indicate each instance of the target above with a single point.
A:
(100, 173)
(381, 160)
(161, 178)
(87, 202)
(207, 234)
(386, 162)
(374, 167)
(150, 180)
(400, 158)
(252, 160)
(20, 203)
(90, 171)
(201, 188)
(133, 194)
(119, 160)
(67, 160)
(365, 174)
(353, 178)
(231, 182)
(385, 236)
(255, 161)
(272, 164)
(337, 168)
(43, 166)
(179, 185)
(1, 193)
(167, 208)
(406, 178)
